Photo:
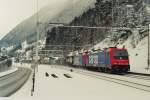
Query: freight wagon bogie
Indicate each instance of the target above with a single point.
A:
(120, 68)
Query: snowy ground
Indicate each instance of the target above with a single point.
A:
(138, 57)
(79, 87)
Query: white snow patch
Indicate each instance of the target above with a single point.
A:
(79, 87)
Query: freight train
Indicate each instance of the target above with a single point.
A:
(110, 60)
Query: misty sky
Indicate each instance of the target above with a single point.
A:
(12, 12)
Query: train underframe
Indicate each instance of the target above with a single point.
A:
(113, 69)
(121, 68)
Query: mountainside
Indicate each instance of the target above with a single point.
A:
(97, 13)
(63, 12)
(119, 13)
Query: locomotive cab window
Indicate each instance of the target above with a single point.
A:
(120, 54)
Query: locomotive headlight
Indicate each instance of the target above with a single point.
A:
(115, 63)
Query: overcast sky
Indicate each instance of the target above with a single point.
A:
(12, 12)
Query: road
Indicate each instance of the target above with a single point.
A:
(12, 82)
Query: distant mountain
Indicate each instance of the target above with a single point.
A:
(63, 13)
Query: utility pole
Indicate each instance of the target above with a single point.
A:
(148, 52)
(148, 57)
(112, 16)
(37, 31)
(35, 65)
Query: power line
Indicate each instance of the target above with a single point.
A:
(67, 46)
(96, 27)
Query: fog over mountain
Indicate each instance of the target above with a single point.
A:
(63, 12)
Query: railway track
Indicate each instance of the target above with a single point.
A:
(118, 81)
(138, 75)
(112, 78)
(134, 75)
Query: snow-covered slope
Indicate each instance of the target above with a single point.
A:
(137, 49)
(62, 13)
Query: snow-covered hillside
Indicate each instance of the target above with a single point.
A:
(63, 12)
(137, 49)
